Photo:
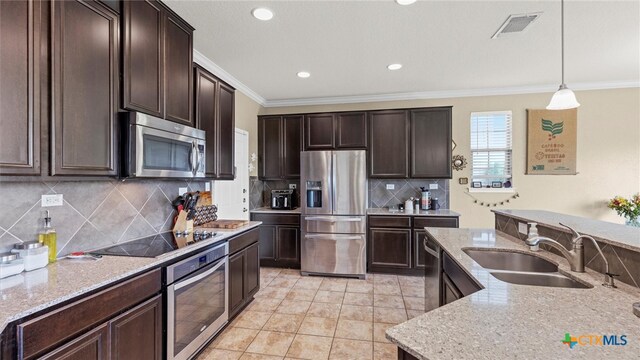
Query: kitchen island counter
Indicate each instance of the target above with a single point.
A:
(504, 320)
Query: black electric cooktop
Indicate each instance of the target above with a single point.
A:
(151, 246)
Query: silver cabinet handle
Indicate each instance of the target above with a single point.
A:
(197, 278)
(332, 219)
(333, 237)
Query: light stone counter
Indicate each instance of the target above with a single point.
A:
(29, 292)
(268, 210)
(507, 321)
(386, 211)
(609, 233)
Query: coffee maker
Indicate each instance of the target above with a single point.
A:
(283, 199)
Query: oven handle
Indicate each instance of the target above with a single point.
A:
(199, 277)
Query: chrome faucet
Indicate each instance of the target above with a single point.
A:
(575, 256)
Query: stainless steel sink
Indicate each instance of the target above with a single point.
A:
(540, 279)
(509, 260)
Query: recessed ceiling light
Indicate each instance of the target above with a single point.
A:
(394, 67)
(405, 2)
(263, 14)
(303, 74)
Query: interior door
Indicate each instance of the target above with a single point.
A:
(232, 197)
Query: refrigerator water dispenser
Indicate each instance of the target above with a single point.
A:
(314, 194)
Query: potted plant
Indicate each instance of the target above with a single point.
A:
(629, 208)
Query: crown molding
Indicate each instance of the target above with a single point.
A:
(219, 72)
(425, 95)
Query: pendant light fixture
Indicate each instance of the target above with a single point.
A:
(564, 98)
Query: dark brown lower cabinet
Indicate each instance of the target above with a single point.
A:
(137, 334)
(390, 248)
(92, 345)
(244, 278)
(395, 244)
(449, 291)
(279, 239)
(403, 355)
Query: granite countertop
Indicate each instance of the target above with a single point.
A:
(616, 234)
(386, 211)
(268, 210)
(517, 321)
(29, 292)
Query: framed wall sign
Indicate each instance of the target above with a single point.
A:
(551, 142)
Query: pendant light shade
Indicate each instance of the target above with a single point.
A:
(564, 98)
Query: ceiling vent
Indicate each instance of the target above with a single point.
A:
(516, 23)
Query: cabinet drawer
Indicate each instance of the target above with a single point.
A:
(447, 222)
(243, 240)
(459, 277)
(44, 332)
(277, 219)
(390, 221)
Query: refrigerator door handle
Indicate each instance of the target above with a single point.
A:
(334, 163)
(332, 219)
(333, 236)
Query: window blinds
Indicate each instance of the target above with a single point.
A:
(491, 146)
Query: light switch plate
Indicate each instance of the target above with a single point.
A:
(433, 186)
(207, 186)
(391, 186)
(292, 186)
(51, 200)
(523, 228)
(182, 190)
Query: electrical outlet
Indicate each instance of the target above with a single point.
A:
(433, 186)
(207, 186)
(391, 186)
(292, 186)
(51, 200)
(182, 190)
(523, 228)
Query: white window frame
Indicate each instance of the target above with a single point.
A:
(508, 150)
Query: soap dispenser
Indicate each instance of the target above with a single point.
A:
(49, 238)
(533, 232)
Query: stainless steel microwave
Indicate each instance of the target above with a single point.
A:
(157, 148)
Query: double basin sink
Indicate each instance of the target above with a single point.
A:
(522, 269)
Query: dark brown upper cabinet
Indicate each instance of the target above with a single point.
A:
(279, 144)
(351, 130)
(84, 63)
(319, 132)
(20, 87)
(388, 144)
(214, 113)
(157, 61)
(431, 143)
(335, 131)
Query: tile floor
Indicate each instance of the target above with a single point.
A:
(296, 317)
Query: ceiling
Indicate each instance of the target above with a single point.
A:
(445, 47)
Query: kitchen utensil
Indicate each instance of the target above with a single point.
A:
(425, 199)
(434, 204)
(183, 230)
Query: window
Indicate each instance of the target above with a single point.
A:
(491, 147)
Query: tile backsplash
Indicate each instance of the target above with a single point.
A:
(94, 214)
(380, 197)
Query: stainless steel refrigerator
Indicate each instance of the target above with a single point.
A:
(334, 203)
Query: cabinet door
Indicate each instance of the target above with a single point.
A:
(226, 132)
(351, 130)
(20, 87)
(206, 100)
(319, 132)
(268, 242)
(143, 57)
(292, 139)
(178, 42)
(449, 291)
(289, 244)
(419, 253)
(388, 144)
(252, 270)
(237, 264)
(431, 143)
(390, 247)
(269, 147)
(137, 334)
(85, 78)
(90, 346)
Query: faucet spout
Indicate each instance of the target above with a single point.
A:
(575, 256)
